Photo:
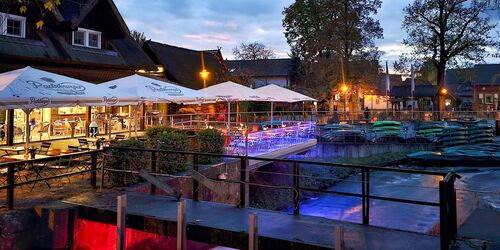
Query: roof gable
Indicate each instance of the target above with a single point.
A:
(184, 65)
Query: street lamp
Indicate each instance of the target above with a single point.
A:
(204, 75)
(443, 91)
(344, 89)
(371, 96)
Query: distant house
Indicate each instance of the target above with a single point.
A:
(424, 97)
(85, 39)
(459, 82)
(487, 86)
(259, 73)
(183, 66)
(481, 84)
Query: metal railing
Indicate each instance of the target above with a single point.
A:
(30, 172)
(446, 202)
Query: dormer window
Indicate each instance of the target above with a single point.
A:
(12, 25)
(87, 38)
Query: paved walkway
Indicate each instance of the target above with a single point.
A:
(227, 225)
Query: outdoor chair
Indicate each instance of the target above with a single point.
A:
(74, 149)
(83, 144)
(44, 148)
(45, 129)
(119, 137)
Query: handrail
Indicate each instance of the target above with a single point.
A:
(332, 164)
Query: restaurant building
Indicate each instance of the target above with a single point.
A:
(258, 73)
(83, 39)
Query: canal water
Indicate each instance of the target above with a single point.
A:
(478, 187)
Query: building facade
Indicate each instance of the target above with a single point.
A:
(83, 39)
(258, 73)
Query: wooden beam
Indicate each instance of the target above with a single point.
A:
(159, 184)
(181, 226)
(218, 187)
(121, 226)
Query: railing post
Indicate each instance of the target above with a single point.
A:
(296, 187)
(452, 196)
(448, 210)
(10, 187)
(181, 226)
(153, 170)
(196, 184)
(93, 169)
(443, 220)
(365, 193)
(243, 180)
(367, 198)
(253, 232)
(121, 226)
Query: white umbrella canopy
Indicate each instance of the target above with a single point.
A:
(147, 89)
(234, 92)
(231, 91)
(281, 94)
(30, 88)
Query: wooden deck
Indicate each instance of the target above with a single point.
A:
(226, 225)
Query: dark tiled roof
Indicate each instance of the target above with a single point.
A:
(183, 65)
(53, 47)
(487, 74)
(264, 67)
(420, 91)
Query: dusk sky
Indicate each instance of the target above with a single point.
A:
(225, 23)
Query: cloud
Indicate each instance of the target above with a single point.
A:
(209, 24)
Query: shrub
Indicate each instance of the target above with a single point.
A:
(126, 160)
(172, 163)
(209, 141)
(151, 134)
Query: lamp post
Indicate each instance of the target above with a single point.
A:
(204, 73)
(344, 89)
(371, 97)
(441, 100)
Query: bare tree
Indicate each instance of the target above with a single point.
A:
(446, 32)
(139, 37)
(253, 51)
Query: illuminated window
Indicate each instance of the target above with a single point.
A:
(12, 25)
(87, 38)
(488, 98)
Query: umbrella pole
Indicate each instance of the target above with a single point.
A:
(228, 118)
(136, 109)
(26, 130)
(109, 124)
(272, 114)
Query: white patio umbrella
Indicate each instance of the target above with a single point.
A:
(281, 94)
(30, 88)
(147, 89)
(234, 92)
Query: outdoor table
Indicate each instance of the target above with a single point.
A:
(36, 168)
(16, 150)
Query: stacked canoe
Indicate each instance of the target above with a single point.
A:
(454, 136)
(387, 131)
(387, 128)
(429, 130)
(341, 133)
(481, 133)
